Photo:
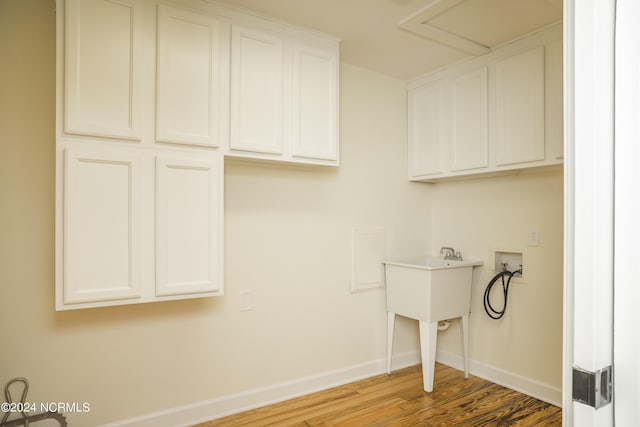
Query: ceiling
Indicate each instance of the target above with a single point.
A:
(372, 38)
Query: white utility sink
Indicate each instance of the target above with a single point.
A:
(429, 289)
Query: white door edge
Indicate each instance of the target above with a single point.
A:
(627, 211)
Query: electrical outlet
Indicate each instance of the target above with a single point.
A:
(246, 300)
(534, 238)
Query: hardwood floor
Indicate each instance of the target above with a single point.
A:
(399, 400)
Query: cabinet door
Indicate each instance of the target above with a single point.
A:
(101, 256)
(102, 68)
(256, 91)
(315, 103)
(469, 130)
(520, 108)
(188, 85)
(554, 122)
(426, 129)
(189, 225)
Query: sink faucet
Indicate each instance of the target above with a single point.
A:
(450, 253)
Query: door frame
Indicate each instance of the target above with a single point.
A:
(589, 199)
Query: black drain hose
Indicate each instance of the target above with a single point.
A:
(491, 311)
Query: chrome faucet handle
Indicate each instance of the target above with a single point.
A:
(449, 253)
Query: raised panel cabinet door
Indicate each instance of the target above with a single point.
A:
(520, 108)
(469, 125)
(189, 226)
(426, 129)
(315, 103)
(256, 91)
(102, 68)
(101, 227)
(188, 78)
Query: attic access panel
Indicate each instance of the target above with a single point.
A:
(477, 26)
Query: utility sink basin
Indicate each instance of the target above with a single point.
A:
(430, 262)
(429, 289)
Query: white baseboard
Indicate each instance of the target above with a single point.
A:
(533, 388)
(244, 401)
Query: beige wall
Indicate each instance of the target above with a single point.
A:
(288, 240)
(485, 215)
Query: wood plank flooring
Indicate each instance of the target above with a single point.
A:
(399, 400)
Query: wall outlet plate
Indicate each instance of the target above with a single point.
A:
(246, 300)
(534, 238)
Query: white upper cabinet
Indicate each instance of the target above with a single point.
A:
(469, 126)
(102, 227)
(137, 225)
(519, 115)
(315, 103)
(448, 128)
(189, 93)
(198, 74)
(256, 91)
(151, 98)
(189, 225)
(102, 68)
(427, 117)
(497, 112)
(284, 94)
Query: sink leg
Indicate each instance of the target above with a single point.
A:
(464, 331)
(428, 340)
(391, 321)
